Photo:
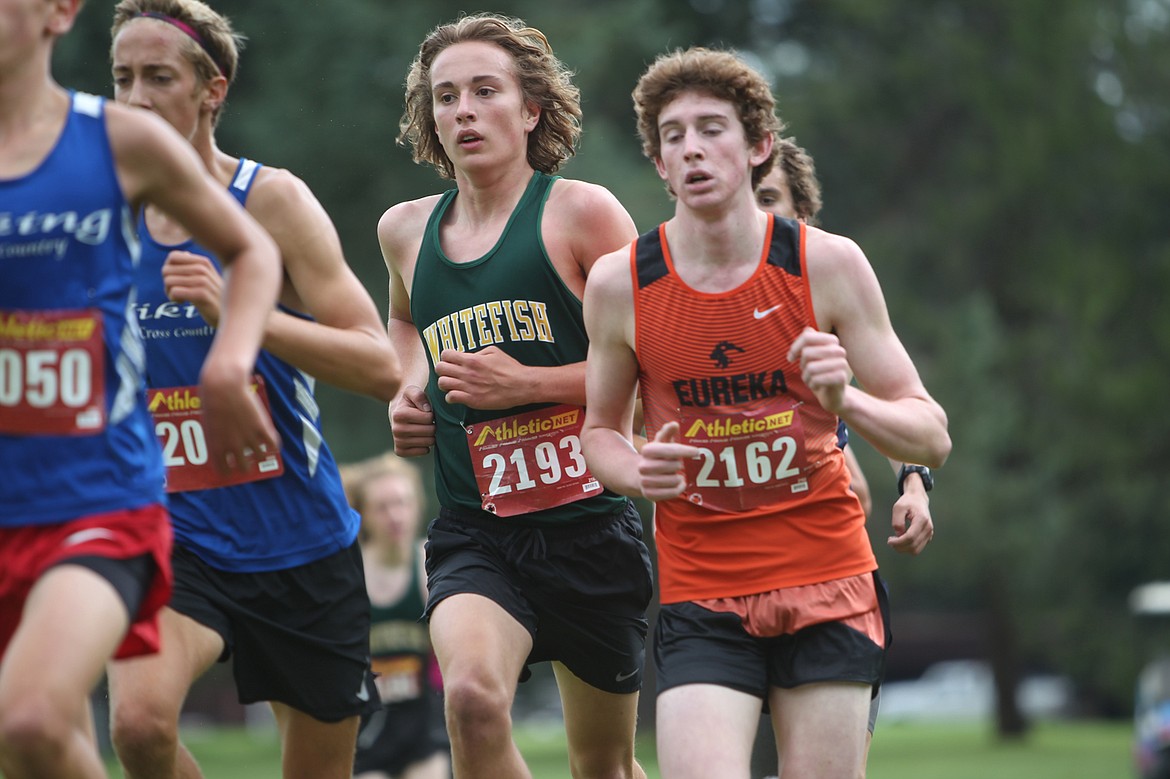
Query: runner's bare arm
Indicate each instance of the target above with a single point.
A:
(891, 408)
(611, 375)
(346, 345)
(155, 165)
(655, 472)
(412, 420)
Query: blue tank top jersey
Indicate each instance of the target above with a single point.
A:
(290, 520)
(67, 244)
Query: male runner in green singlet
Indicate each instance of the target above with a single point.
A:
(530, 558)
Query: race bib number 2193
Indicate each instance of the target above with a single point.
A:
(532, 461)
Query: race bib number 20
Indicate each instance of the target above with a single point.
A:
(178, 423)
(532, 461)
(52, 372)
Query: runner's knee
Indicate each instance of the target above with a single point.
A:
(140, 728)
(476, 705)
(32, 730)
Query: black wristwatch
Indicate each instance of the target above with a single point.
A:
(921, 470)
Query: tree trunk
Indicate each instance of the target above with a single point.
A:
(1004, 654)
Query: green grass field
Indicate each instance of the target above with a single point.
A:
(1082, 750)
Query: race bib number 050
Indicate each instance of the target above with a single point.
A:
(747, 459)
(178, 423)
(52, 372)
(532, 461)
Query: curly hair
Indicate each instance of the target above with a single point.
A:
(215, 53)
(720, 74)
(544, 81)
(801, 176)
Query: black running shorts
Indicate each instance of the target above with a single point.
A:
(300, 636)
(580, 590)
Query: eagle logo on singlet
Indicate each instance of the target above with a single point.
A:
(721, 353)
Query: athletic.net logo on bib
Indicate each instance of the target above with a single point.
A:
(533, 461)
(178, 423)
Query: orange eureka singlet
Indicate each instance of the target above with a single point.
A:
(769, 505)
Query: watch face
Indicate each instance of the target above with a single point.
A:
(921, 470)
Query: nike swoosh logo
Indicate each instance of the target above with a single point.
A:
(90, 534)
(622, 677)
(758, 314)
(363, 693)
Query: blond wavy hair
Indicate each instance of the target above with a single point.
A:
(544, 81)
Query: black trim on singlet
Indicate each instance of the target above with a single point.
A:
(785, 249)
(649, 258)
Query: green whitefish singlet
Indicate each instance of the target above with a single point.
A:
(514, 299)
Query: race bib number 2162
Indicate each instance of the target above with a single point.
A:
(755, 457)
